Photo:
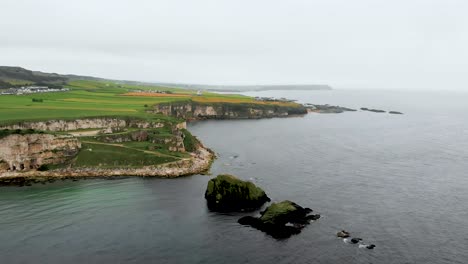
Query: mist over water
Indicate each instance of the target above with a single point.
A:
(397, 181)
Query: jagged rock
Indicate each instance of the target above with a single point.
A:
(228, 193)
(281, 220)
(343, 234)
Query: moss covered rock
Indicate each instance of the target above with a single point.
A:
(281, 220)
(228, 193)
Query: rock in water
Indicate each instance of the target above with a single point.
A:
(281, 220)
(395, 112)
(227, 193)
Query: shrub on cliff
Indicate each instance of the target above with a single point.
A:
(43, 167)
(228, 193)
(190, 142)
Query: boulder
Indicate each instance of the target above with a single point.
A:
(281, 220)
(226, 193)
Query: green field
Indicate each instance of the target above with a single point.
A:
(96, 99)
(113, 156)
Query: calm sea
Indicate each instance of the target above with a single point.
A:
(397, 181)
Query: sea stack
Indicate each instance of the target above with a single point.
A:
(226, 193)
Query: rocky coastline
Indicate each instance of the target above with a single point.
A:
(52, 142)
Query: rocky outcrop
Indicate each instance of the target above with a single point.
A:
(228, 193)
(31, 151)
(87, 123)
(281, 220)
(198, 111)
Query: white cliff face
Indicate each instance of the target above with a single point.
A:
(89, 123)
(29, 152)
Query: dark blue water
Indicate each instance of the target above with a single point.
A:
(400, 182)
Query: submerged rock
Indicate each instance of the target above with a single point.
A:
(355, 240)
(227, 193)
(281, 220)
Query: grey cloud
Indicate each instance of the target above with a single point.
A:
(360, 44)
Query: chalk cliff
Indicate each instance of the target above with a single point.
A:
(198, 111)
(87, 123)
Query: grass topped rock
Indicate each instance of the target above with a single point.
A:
(281, 220)
(226, 193)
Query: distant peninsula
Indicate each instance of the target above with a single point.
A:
(253, 88)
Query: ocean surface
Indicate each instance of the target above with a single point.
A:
(397, 181)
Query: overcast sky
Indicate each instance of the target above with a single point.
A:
(403, 44)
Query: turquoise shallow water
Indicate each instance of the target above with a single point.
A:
(399, 182)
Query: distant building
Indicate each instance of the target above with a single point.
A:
(32, 90)
(199, 92)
